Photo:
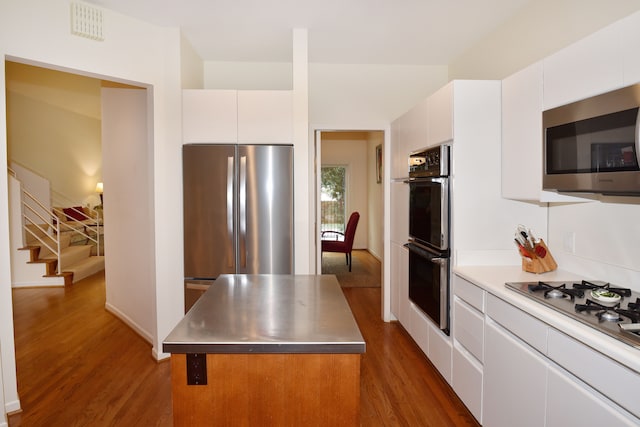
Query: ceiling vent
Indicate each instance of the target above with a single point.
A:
(86, 21)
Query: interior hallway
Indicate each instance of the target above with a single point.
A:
(78, 365)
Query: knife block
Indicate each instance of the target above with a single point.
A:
(540, 264)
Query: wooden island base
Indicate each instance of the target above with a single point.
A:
(269, 390)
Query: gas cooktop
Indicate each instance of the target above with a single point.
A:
(610, 309)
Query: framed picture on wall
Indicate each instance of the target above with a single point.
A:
(379, 164)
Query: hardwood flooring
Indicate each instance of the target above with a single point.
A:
(78, 365)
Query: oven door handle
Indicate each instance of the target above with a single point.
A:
(436, 258)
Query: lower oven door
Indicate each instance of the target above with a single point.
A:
(429, 283)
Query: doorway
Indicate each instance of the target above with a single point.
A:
(128, 182)
(346, 182)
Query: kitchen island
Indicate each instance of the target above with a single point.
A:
(267, 350)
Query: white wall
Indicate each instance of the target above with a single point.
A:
(191, 69)
(53, 121)
(540, 28)
(372, 95)
(340, 96)
(248, 75)
(128, 209)
(38, 31)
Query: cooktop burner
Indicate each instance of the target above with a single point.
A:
(610, 309)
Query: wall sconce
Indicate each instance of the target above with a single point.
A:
(100, 189)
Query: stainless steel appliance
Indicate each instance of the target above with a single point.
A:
(429, 233)
(607, 308)
(238, 212)
(593, 145)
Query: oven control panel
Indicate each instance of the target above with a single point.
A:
(429, 162)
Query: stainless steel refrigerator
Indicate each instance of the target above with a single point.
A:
(238, 212)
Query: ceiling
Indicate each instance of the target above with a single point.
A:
(410, 32)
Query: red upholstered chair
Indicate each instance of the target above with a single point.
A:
(344, 246)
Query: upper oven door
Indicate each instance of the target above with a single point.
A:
(429, 212)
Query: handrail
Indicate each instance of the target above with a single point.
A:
(81, 227)
(88, 221)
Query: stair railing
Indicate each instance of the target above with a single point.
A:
(86, 227)
(28, 202)
(89, 227)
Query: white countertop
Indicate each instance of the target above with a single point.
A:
(493, 279)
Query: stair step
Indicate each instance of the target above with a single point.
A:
(67, 275)
(86, 267)
(51, 266)
(72, 255)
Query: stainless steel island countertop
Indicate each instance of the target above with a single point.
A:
(268, 314)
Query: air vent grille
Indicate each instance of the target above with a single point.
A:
(86, 21)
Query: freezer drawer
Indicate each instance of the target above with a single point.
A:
(193, 290)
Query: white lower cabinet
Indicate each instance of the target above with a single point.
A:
(467, 330)
(440, 350)
(515, 381)
(432, 341)
(511, 369)
(400, 305)
(570, 403)
(466, 380)
(596, 370)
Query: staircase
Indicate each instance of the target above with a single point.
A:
(76, 261)
(47, 251)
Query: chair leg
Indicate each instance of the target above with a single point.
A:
(349, 261)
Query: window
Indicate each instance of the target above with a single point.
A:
(333, 189)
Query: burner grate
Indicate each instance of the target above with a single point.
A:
(560, 291)
(586, 285)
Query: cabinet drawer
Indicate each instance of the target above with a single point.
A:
(467, 381)
(569, 402)
(468, 328)
(470, 293)
(529, 329)
(610, 378)
(440, 351)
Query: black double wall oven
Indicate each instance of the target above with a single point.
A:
(429, 218)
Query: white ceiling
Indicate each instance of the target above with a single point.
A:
(416, 32)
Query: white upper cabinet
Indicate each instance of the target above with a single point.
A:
(522, 134)
(231, 116)
(408, 134)
(440, 116)
(588, 67)
(630, 37)
(265, 116)
(209, 116)
(399, 165)
(522, 138)
(416, 122)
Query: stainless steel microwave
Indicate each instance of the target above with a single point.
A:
(592, 145)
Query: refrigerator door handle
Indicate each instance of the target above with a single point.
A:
(230, 256)
(242, 247)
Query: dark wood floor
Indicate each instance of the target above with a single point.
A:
(78, 365)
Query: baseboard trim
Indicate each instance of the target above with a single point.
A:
(37, 285)
(133, 325)
(12, 407)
